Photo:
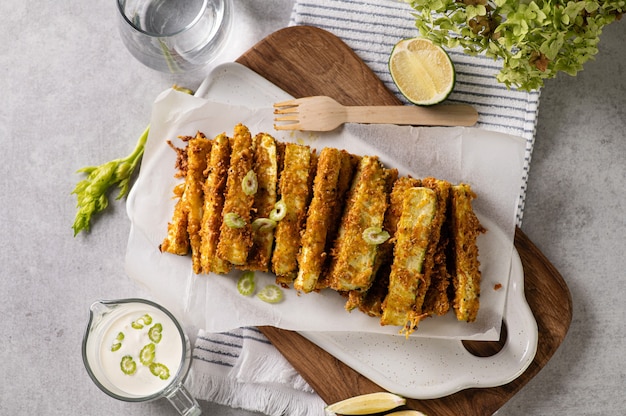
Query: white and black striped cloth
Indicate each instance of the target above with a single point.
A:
(241, 368)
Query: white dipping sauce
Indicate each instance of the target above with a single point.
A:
(168, 351)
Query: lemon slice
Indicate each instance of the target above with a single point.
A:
(422, 71)
(366, 404)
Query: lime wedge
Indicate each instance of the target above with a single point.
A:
(422, 71)
(366, 404)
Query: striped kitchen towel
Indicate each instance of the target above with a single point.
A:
(372, 27)
(242, 369)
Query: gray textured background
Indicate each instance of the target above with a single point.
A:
(71, 95)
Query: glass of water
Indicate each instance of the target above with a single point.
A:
(175, 36)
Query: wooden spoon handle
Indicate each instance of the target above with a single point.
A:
(439, 115)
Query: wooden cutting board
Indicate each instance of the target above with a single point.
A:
(305, 61)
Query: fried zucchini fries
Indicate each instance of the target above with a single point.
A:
(197, 151)
(312, 253)
(183, 231)
(294, 193)
(236, 229)
(266, 168)
(214, 187)
(397, 248)
(401, 306)
(465, 229)
(352, 265)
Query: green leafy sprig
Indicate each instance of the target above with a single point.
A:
(91, 192)
(536, 39)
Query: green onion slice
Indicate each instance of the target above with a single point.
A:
(375, 235)
(249, 185)
(245, 284)
(155, 333)
(128, 365)
(147, 354)
(117, 344)
(279, 211)
(144, 320)
(271, 294)
(233, 220)
(160, 370)
(263, 225)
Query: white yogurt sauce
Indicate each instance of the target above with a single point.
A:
(168, 351)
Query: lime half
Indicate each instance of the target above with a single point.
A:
(422, 71)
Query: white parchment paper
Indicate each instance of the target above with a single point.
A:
(491, 162)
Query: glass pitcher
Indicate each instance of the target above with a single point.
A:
(135, 350)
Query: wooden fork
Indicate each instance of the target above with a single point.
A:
(324, 114)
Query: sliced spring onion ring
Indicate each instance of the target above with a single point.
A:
(117, 344)
(147, 354)
(128, 365)
(375, 235)
(245, 284)
(156, 333)
(160, 370)
(279, 211)
(233, 220)
(263, 224)
(249, 185)
(271, 294)
(144, 320)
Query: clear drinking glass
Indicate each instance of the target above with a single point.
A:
(175, 35)
(135, 350)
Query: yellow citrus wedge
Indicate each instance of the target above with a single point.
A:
(406, 413)
(366, 404)
(422, 71)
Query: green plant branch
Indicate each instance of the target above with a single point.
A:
(91, 192)
(536, 39)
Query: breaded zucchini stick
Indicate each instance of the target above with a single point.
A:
(197, 151)
(295, 193)
(465, 230)
(266, 168)
(236, 239)
(353, 259)
(442, 191)
(412, 239)
(371, 301)
(349, 163)
(214, 187)
(177, 239)
(324, 203)
(437, 301)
